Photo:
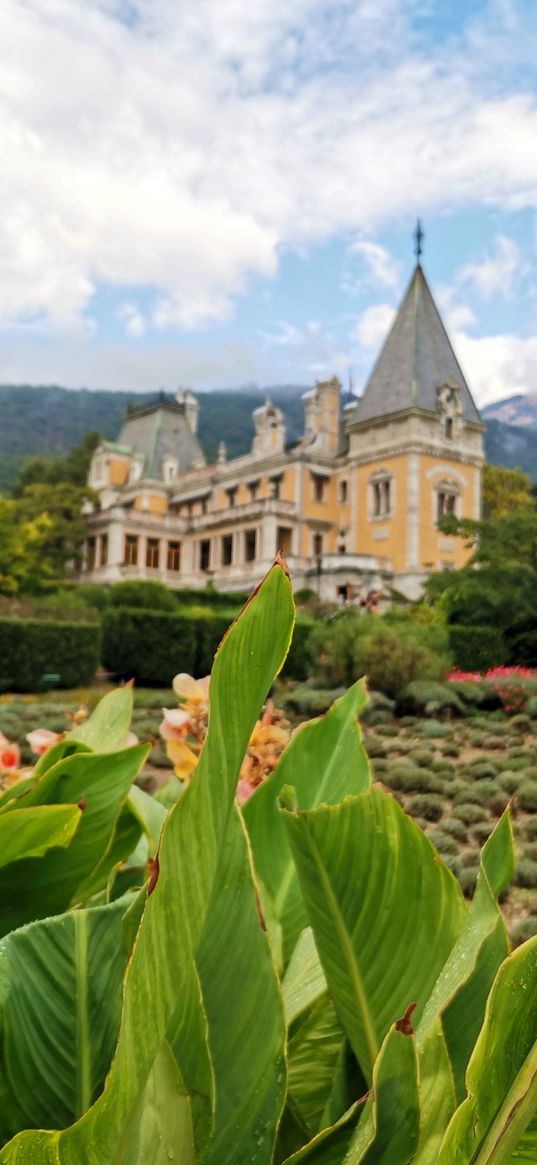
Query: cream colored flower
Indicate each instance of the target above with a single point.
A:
(191, 691)
(175, 725)
(184, 760)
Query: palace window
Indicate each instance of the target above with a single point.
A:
(275, 486)
(446, 503)
(317, 543)
(103, 554)
(205, 554)
(253, 490)
(284, 538)
(250, 542)
(173, 559)
(232, 496)
(90, 554)
(318, 487)
(381, 499)
(343, 492)
(131, 550)
(152, 553)
(448, 428)
(227, 549)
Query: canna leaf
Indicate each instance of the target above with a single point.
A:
(175, 913)
(497, 1122)
(304, 981)
(29, 833)
(107, 727)
(384, 910)
(60, 1006)
(324, 762)
(388, 1130)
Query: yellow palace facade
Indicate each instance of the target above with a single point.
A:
(354, 504)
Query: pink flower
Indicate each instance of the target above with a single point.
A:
(244, 790)
(10, 755)
(176, 724)
(41, 739)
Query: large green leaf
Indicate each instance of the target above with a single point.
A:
(497, 1123)
(388, 1130)
(316, 1078)
(60, 1006)
(192, 840)
(107, 727)
(304, 981)
(38, 887)
(328, 1147)
(385, 911)
(29, 833)
(324, 762)
(244, 1010)
(160, 1128)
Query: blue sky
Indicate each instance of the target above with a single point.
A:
(225, 193)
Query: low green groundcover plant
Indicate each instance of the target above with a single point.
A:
(297, 981)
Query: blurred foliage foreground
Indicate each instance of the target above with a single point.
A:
(218, 984)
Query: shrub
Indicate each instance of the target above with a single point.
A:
(298, 664)
(524, 929)
(422, 756)
(147, 646)
(455, 828)
(430, 698)
(427, 805)
(386, 729)
(31, 649)
(476, 649)
(209, 628)
(494, 742)
(443, 766)
(526, 874)
(434, 729)
(456, 786)
(531, 707)
(409, 780)
(497, 803)
(392, 655)
(469, 813)
(482, 770)
(450, 749)
(481, 831)
(443, 842)
(304, 700)
(94, 595)
(476, 794)
(476, 739)
(530, 851)
(510, 782)
(146, 593)
(378, 703)
(470, 857)
(527, 796)
(468, 879)
(530, 829)
(374, 746)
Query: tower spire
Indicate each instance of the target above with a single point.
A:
(418, 240)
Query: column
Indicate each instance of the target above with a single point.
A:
(413, 513)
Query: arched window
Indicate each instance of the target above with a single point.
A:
(447, 500)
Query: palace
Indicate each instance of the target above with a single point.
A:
(354, 504)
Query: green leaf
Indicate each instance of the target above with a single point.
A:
(497, 1122)
(385, 911)
(191, 845)
(328, 1147)
(149, 814)
(324, 762)
(37, 887)
(437, 1093)
(160, 1129)
(60, 1006)
(244, 1010)
(107, 727)
(304, 981)
(316, 1069)
(388, 1130)
(459, 997)
(29, 833)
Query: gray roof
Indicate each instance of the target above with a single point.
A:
(158, 432)
(416, 359)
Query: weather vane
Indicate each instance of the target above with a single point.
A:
(418, 240)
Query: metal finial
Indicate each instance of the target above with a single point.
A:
(418, 240)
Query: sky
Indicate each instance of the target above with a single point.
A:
(224, 192)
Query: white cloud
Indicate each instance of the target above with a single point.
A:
(496, 274)
(133, 319)
(497, 366)
(381, 268)
(182, 151)
(374, 324)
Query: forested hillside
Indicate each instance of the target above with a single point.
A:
(52, 420)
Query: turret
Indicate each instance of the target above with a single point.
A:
(269, 430)
(321, 416)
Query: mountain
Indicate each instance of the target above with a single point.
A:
(51, 420)
(514, 410)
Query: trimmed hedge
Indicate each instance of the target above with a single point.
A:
(148, 646)
(33, 648)
(477, 648)
(147, 593)
(153, 646)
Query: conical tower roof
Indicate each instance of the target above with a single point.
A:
(416, 359)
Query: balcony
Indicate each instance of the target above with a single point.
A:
(248, 512)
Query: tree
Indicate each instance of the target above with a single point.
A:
(505, 490)
(62, 505)
(24, 566)
(73, 467)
